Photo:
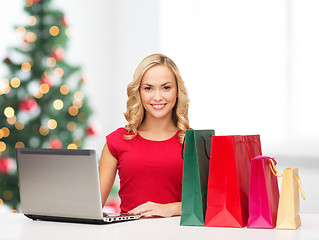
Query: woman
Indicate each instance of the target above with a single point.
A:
(147, 152)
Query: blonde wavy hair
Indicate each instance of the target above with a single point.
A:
(135, 110)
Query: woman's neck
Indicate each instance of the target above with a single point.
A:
(157, 129)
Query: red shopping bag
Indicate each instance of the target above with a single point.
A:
(228, 182)
(263, 193)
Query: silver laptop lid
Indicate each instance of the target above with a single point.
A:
(59, 182)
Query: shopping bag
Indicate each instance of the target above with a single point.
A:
(263, 193)
(288, 209)
(228, 183)
(195, 176)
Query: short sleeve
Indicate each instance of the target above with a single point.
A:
(113, 141)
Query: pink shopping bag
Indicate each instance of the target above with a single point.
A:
(263, 193)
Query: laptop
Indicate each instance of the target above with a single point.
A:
(62, 185)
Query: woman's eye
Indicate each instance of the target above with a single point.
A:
(167, 88)
(148, 88)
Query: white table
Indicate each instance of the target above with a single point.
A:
(17, 226)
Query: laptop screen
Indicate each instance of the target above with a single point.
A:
(59, 183)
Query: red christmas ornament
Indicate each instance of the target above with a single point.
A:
(58, 54)
(28, 105)
(7, 165)
(46, 80)
(55, 143)
(64, 21)
(91, 130)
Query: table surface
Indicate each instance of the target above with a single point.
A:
(16, 226)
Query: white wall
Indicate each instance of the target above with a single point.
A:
(250, 66)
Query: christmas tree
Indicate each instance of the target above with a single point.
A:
(41, 101)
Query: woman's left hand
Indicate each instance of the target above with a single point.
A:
(156, 209)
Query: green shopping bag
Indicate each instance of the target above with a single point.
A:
(195, 176)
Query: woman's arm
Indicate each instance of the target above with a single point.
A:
(107, 171)
(156, 209)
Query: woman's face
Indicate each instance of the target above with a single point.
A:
(158, 91)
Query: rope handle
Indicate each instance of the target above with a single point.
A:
(205, 148)
(300, 186)
(182, 152)
(273, 168)
(248, 151)
(258, 145)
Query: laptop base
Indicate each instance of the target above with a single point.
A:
(81, 220)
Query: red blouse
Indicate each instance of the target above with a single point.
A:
(148, 170)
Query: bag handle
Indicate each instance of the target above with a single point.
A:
(258, 145)
(242, 141)
(205, 149)
(300, 186)
(273, 168)
(182, 152)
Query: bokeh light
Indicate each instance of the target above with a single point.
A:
(3, 146)
(26, 67)
(71, 126)
(64, 89)
(28, 3)
(54, 30)
(38, 95)
(12, 120)
(73, 111)
(21, 31)
(30, 37)
(6, 131)
(78, 96)
(44, 88)
(77, 103)
(58, 104)
(32, 20)
(59, 72)
(52, 124)
(4, 86)
(9, 112)
(8, 195)
(15, 82)
(44, 130)
(19, 125)
(51, 62)
(19, 145)
(47, 73)
(72, 146)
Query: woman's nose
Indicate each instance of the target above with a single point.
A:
(158, 95)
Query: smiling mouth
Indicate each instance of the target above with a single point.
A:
(158, 106)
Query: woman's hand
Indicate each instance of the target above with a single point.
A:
(156, 209)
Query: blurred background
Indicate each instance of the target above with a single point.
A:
(250, 66)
